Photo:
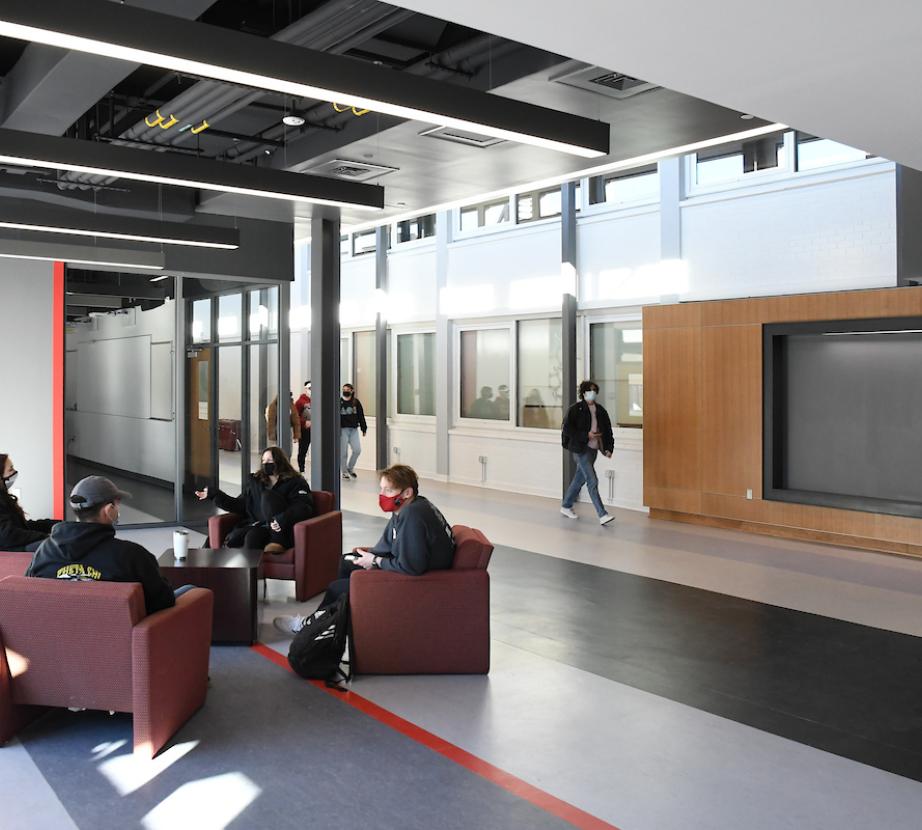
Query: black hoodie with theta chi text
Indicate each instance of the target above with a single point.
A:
(89, 552)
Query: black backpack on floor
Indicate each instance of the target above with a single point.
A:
(317, 649)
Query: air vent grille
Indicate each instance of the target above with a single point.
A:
(458, 136)
(602, 81)
(353, 171)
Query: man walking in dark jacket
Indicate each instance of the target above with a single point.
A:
(417, 539)
(351, 420)
(87, 550)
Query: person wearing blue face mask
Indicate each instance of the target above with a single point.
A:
(586, 432)
(17, 533)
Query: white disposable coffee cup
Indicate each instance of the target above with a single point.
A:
(180, 544)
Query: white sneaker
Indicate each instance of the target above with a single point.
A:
(289, 624)
(604, 520)
(346, 476)
(568, 512)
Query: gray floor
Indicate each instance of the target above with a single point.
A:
(636, 760)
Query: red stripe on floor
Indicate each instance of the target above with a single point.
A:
(545, 801)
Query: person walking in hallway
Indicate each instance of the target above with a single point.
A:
(303, 405)
(351, 420)
(586, 432)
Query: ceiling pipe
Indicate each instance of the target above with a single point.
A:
(321, 29)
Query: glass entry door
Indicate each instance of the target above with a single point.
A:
(232, 388)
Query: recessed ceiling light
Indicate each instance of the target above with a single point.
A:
(127, 33)
(747, 117)
(293, 121)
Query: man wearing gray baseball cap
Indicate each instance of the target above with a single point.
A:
(86, 550)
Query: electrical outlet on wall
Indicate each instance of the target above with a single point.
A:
(749, 494)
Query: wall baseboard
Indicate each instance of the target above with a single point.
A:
(798, 533)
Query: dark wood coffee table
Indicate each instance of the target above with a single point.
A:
(231, 574)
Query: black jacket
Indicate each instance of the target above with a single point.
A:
(16, 532)
(89, 551)
(575, 433)
(352, 415)
(294, 492)
(416, 540)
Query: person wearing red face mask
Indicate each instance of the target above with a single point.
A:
(416, 539)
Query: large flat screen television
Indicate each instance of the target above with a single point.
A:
(842, 415)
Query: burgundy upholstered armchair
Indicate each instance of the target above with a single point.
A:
(437, 623)
(90, 645)
(313, 562)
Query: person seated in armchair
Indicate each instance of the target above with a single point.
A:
(273, 501)
(17, 533)
(416, 539)
(86, 550)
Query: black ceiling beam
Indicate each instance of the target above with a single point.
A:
(213, 52)
(29, 215)
(184, 171)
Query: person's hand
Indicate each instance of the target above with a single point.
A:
(364, 433)
(607, 453)
(364, 559)
(274, 525)
(360, 550)
(307, 424)
(202, 494)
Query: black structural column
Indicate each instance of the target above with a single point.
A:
(325, 379)
(285, 390)
(568, 310)
(908, 219)
(382, 456)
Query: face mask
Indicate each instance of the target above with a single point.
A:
(589, 396)
(389, 503)
(269, 468)
(347, 394)
(9, 482)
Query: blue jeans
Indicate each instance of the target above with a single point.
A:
(349, 437)
(585, 474)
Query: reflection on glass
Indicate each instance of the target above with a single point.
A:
(549, 203)
(263, 392)
(366, 372)
(230, 316)
(540, 374)
(637, 188)
(616, 364)
(821, 152)
(201, 321)
(230, 435)
(345, 369)
(264, 313)
(485, 374)
(119, 404)
(416, 374)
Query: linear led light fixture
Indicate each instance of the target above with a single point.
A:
(573, 175)
(98, 159)
(131, 34)
(77, 223)
(81, 255)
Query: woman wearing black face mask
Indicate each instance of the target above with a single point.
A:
(274, 500)
(17, 533)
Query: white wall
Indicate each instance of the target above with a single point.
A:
(833, 231)
(140, 443)
(26, 413)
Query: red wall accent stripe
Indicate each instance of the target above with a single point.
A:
(545, 801)
(57, 389)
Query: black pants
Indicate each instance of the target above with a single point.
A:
(340, 585)
(257, 536)
(303, 446)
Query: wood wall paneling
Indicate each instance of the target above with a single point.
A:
(703, 417)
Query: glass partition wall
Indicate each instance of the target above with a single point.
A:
(150, 409)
